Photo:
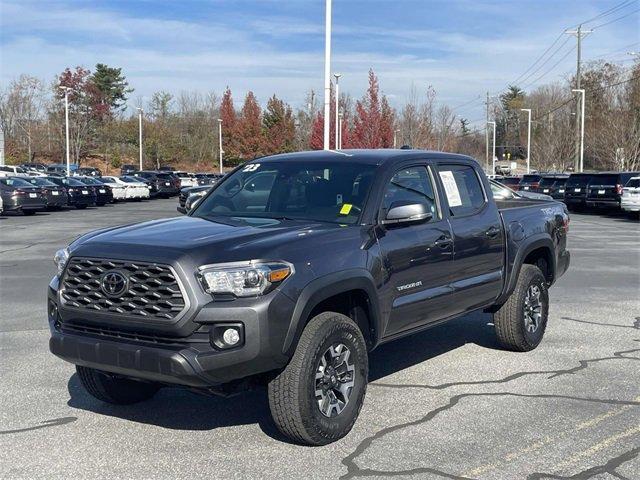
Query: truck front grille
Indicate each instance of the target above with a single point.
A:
(151, 290)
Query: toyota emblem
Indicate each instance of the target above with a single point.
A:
(113, 284)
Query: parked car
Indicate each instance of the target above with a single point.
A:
(292, 287)
(529, 182)
(138, 188)
(186, 179)
(61, 168)
(103, 192)
(553, 184)
(18, 195)
(38, 167)
(55, 196)
(79, 195)
(88, 172)
(12, 171)
(118, 187)
(166, 168)
(188, 192)
(128, 169)
(575, 190)
(166, 184)
(605, 189)
(630, 201)
(511, 182)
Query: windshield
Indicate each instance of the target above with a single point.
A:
(604, 180)
(578, 180)
(107, 180)
(633, 183)
(15, 182)
(73, 182)
(41, 182)
(318, 191)
(131, 180)
(547, 181)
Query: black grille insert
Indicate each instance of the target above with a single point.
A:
(153, 290)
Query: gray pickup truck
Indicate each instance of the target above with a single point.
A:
(295, 266)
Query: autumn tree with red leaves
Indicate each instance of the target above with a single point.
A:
(374, 119)
(251, 141)
(229, 126)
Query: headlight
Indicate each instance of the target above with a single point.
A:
(244, 279)
(60, 259)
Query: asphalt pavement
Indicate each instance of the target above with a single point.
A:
(446, 403)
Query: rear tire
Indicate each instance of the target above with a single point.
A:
(118, 391)
(521, 322)
(316, 399)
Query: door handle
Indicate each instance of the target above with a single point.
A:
(492, 232)
(443, 242)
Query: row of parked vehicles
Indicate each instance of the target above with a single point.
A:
(581, 191)
(28, 190)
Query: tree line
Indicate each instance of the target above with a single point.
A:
(182, 129)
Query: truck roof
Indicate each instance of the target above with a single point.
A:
(372, 157)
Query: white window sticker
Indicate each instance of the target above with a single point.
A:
(252, 167)
(451, 188)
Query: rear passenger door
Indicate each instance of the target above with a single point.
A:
(478, 256)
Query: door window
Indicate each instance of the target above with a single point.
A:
(410, 185)
(462, 188)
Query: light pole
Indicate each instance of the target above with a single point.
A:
(220, 141)
(528, 110)
(582, 93)
(337, 75)
(339, 146)
(395, 132)
(493, 157)
(66, 119)
(140, 112)
(327, 74)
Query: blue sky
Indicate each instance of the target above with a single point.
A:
(462, 48)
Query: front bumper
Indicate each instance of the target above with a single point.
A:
(169, 355)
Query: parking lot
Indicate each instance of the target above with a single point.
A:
(446, 403)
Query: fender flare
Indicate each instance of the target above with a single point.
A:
(327, 286)
(534, 242)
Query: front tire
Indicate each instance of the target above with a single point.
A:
(115, 390)
(521, 322)
(316, 399)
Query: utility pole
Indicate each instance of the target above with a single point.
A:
(486, 133)
(395, 132)
(327, 74)
(140, 112)
(1, 146)
(581, 132)
(579, 33)
(337, 75)
(66, 118)
(220, 141)
(493, 158)
(528, 110)
(340, 117)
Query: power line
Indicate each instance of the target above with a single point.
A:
(611, 11)
(539, 58)
(551, 69)
(617, 19)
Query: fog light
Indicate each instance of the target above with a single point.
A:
(231, 336)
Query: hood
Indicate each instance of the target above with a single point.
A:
(198, 237)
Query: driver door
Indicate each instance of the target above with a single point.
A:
(417, 257)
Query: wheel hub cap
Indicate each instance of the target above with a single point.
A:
(334, 380)
(532, 309)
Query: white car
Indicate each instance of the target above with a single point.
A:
(630, 200)
(12, 171)
(187, 179)
(118, 187)
(137, 189)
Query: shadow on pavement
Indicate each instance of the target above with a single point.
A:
(181, 409)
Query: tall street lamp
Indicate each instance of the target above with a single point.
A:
(528, 110)
(66, 119)
(140, 113)
(493, 160)
(327, 74)
(339, 146)
(582, 93)
(220, 141)
(337, 75)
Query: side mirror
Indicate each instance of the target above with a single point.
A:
(401, 212)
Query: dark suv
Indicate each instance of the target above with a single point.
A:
(291, 269)
(575, 190)
(165, 184)
(529, 182)
(605, 189)
(553, 185)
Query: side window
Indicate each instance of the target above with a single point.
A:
(462, 188)
(410, 185)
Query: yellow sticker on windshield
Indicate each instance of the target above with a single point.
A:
(346, 208)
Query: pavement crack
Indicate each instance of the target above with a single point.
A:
(609, 467)
(354, 471)
(19, 248)
(636, 324)
(46, 424)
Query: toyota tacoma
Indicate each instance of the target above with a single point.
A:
(295, 266)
